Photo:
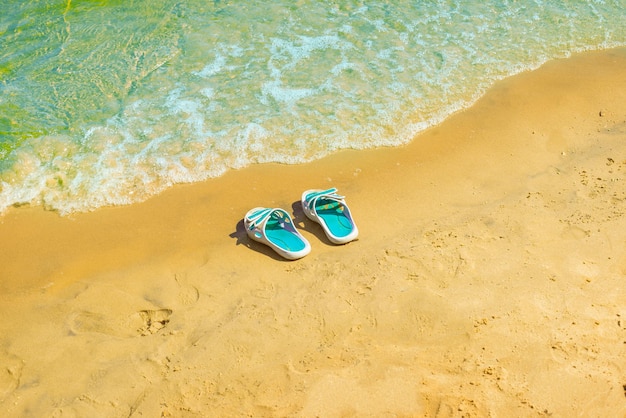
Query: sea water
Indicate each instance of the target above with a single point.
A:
(107, 102)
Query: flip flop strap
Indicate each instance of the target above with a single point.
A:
(260, 218)
(327, 194)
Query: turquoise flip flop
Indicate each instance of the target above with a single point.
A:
(330, 210)
(275, 228)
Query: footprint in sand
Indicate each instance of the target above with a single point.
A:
(144, 322)
(154, 321)
(10, 374)
(85, 321)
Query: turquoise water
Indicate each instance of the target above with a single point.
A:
(109, 102)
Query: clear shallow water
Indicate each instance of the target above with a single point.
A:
(109, 102)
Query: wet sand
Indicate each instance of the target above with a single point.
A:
(488, 278)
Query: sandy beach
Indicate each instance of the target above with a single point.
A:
(487, 280)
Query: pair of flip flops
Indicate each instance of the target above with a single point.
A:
(274, 227)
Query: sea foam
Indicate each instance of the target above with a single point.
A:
(109, 104)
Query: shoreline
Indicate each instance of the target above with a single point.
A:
(487, 278)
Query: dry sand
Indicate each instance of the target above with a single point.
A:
(488, 279)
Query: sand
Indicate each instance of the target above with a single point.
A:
(488, 278)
